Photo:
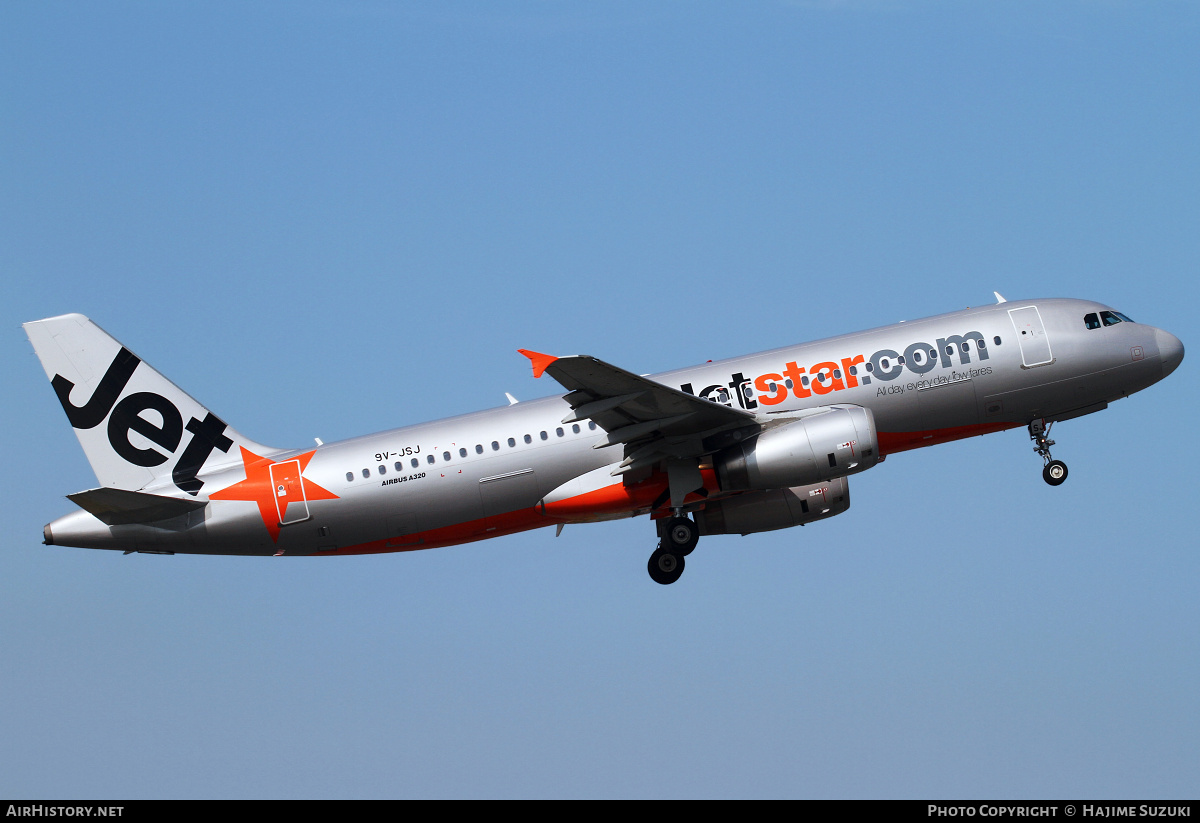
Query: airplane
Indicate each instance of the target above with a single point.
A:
(739, 446)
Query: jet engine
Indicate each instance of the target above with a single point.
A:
(775, 509)
(834, 441)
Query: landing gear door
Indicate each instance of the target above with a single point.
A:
(1031, 337)
(288, 485)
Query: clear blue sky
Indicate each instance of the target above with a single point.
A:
(325, 219)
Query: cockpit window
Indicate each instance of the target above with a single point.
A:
(1092, 321)
(1124, 317)
(1110, 318)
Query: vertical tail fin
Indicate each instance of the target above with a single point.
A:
(138, 429)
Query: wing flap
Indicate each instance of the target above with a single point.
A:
(595, 407)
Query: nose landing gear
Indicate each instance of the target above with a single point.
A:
(1055, 471)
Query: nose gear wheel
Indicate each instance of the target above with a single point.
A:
(1055, 472)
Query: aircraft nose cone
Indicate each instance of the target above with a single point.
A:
(1170, 350)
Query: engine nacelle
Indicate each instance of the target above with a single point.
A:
(834, 442)
(775, 509)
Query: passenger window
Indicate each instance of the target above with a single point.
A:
(575, 428)
(416, 463)
(966, 347)
(870, 367)
(382, 469)
(933, 354)
(366, 472)
(1092, 321)
(900, 360)
(559, 431)
(478, 448)
(446, 456)
(462, 452)
(528, 439)
(511, 442)
(495, 445)
(429, 459)
(591, 425)
(996, 340)
(349, 477)
(545, 436)
(787, 383)
(399, 466)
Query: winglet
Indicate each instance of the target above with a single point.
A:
(540, 361)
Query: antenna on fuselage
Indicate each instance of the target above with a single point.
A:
(999, 297)
(512, 401)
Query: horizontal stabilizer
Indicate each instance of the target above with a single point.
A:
(118, 506)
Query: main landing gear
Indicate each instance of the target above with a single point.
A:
(1055, 471)
(677, 537)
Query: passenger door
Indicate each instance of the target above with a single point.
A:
(1031, 337)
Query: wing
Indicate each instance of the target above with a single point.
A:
(654, 422)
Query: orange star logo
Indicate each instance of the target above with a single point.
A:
(274, 486)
